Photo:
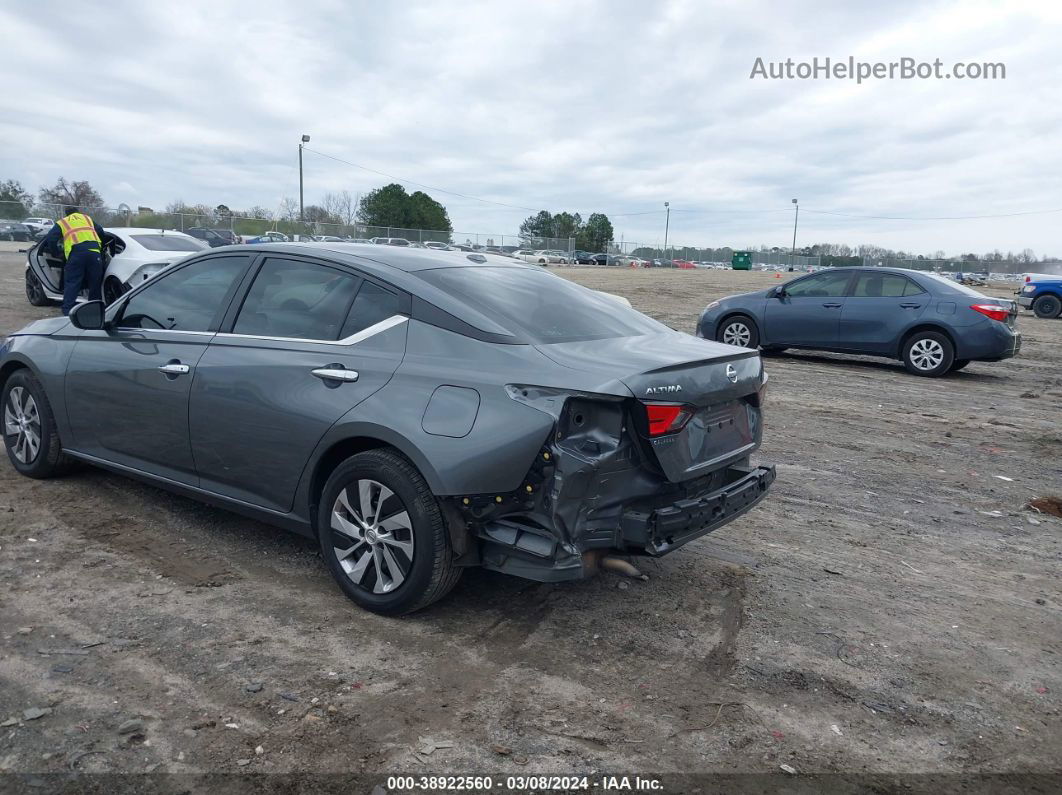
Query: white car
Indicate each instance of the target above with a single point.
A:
(38, 225)
(131, 255)
(538, 257)
(437, 245)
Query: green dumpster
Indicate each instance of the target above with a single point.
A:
(741, 261)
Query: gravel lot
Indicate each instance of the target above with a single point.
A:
(890, 609)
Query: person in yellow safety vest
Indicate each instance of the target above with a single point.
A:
(81, 239)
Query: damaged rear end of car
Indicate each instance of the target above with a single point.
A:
(640, 466)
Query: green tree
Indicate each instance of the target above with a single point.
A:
(567, 225)
(596, 233)
(386, 206)
(15, 202)
(78, 193)
(426, 213)
(540, 225)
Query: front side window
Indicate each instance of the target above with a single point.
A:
(186, 299)
(883, 285)
(821, 285)
(298, 300)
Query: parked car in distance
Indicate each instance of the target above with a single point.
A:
(390, 241)
(15, 230)
(932, 324)
(536, 257)
(437, 245)
(416, 412)
(212, 237)
(131, 256)
(272, 236)
(1042, 293)
(39, 225)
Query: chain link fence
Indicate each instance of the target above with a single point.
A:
(1009, 267)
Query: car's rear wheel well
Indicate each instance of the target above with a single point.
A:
(333, 457)
(923, 327)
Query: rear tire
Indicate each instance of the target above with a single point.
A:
(30, 433)
(928, 353)
(113, 289)
(35, 290)
(383, 536)
(739, 330)
(1047, 306)
(958, 364)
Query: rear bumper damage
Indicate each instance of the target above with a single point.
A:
(522, 548)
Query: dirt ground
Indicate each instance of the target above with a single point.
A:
(890, 609)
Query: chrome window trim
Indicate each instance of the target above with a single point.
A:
(165, 331)
(364, 334)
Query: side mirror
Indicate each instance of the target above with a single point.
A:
(89, 315)
(776, 292)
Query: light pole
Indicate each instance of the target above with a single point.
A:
(305, 140)
(796, 217)
(667, 224)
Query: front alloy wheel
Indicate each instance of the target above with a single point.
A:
(739, 331)
(22, 425)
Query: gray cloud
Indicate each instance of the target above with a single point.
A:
(588, 105)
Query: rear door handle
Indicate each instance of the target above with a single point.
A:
(335, 374)
(175, 368)
(909, 306)
(832, 306)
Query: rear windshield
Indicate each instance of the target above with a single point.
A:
(954, 285)
(168, 243)
(545, 307)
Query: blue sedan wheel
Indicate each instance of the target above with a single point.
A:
(739, 331)
(928, 353)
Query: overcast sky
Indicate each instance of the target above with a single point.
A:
(580, 105)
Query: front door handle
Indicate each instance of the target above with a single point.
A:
(175, 368)
(832, 306)
(335, 374)
(909, 306)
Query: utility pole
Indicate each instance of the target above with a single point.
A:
(667, 224)
(796, 217)
(305, 140)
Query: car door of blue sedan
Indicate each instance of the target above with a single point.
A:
(880, 308)
(808, 313)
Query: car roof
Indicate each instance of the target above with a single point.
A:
(401, 258)
(133, 230)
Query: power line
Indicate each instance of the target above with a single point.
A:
(933, 218)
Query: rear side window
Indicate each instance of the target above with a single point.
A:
(821, 285)
(545, 307)
(371, 305)
(168, 243)
(884, 285)
(186, 299)
(296, 299)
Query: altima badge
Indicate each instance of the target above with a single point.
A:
(659, 390)
(731, 373)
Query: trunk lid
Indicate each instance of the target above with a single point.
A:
(720, 383)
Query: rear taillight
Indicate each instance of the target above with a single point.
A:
(1000, 313)
(665, 418)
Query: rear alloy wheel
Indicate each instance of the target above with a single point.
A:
(1047, 306)
(928, 353)
(35, 290)
(30, 434)
(739, 331)
(383, 535)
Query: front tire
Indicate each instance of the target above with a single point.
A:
(30, 433)
(1047, 306)
(383, 536)
(928, 353)
(739, 330)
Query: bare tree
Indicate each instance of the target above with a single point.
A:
(340, 206)
(288, 209)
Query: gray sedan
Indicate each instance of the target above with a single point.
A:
(932, 324)
(415, 411)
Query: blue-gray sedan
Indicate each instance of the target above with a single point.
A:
(932, 324)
